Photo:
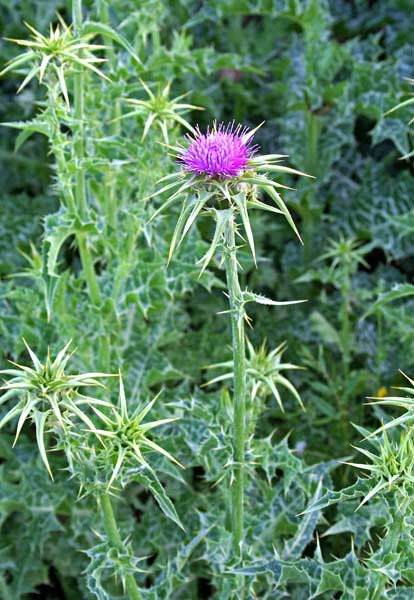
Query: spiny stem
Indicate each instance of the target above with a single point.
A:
(239, 399)
(114, 537)
(79, 110)
(80, 178)
(57, 142)
(115, 109)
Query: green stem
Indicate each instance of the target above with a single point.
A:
(346, 325)
(313, 130)
(115, 126)
(379, 356)
(114, 537)
(57, 142)
(79, 111)
(126, 260)
(88, 269)
(156, 39)
(346, 334)
(239, 369)
(80, 178)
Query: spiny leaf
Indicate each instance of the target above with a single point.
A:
(240, 201)
(222, 218)
(280, 203)
(260, 299)
(96, 28)
(40, 419)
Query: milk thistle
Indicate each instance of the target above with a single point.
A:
(222, 152)
(222, 176)
(103, 458)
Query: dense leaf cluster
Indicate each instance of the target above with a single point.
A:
(321, 73)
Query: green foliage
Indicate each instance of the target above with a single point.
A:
(47, 396)
(78, 201)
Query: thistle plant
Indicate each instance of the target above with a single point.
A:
(47, 396)
(265, 376)
(57, 53)
(159, 110)
(100, 457)
(405, 402)
(222, 177)
(61, 62)
(105, 468)
(390, 469)
(125, 436)
(336, 268)
(345, 256)
(388, 483)
(93, 122)
(53, 59)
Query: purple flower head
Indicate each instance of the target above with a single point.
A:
(222, 152)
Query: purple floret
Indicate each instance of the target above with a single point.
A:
(221, 152)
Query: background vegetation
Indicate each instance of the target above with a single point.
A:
(321, 74)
